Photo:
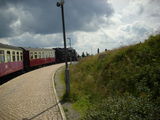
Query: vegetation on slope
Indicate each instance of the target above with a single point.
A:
(121, 84)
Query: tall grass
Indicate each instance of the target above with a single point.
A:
(120, 84)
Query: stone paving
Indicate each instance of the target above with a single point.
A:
(30, 96)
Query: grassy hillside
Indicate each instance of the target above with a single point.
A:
(122, 84)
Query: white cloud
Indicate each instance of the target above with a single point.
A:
(133, 21)
(131, 24)
(35, 40)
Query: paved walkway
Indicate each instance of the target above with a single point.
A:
(30, 96)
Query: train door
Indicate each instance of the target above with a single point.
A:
(26, 59)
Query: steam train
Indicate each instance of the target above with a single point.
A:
(13, 59)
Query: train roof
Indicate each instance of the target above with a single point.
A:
(63, 48)
(9, 47)
(35, 49)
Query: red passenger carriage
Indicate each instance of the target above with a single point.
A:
(38, 56)
(11, 59)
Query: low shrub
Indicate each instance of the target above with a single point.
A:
(120, 84)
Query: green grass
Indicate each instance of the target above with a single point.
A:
(62, 78)
(122, 84)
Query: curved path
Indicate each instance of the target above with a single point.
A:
(30, 96)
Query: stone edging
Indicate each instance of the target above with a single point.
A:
(57, 99)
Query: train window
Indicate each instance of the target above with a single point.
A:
(47, 54)
(43, 55)
(8, 56)
(31, 55)
(51, 54)
(39, 54)
(17, 56)
(21, 56)
(13, 56)
(35, 55)
(2, 56)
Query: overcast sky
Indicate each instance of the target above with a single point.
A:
(90, 24)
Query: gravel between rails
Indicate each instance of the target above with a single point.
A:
(30, 96)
